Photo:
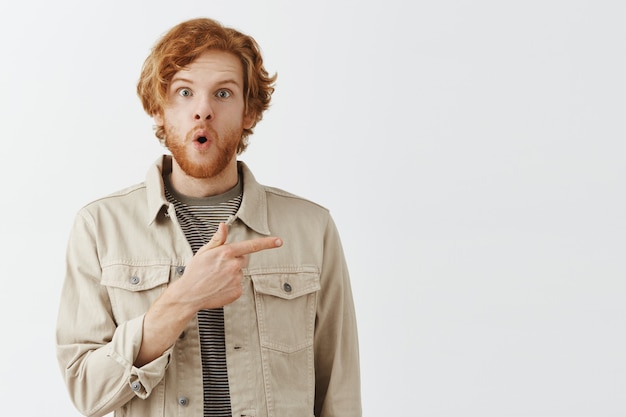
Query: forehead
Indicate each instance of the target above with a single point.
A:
(212, 65)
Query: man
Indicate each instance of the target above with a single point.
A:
(200, 291)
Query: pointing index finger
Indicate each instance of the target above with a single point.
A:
(246, 247)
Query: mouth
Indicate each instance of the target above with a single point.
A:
(201, 136)
(202, 139)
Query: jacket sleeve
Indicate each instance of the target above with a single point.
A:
(337, 371)
(95, 353)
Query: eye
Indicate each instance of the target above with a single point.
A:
(184, 92)
(223, 94)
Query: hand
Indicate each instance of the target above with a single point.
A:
(213, 277)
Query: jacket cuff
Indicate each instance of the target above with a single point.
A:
(124, 349)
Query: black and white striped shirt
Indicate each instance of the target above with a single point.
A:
(199, 218)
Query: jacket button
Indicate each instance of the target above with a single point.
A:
(287, 287)
(134, 280)
(183, 401)
(180, 270)
(135, 386)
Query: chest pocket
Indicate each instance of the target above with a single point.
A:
(132, 289)
(286, 300)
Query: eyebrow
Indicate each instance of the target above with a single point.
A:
(177, 79)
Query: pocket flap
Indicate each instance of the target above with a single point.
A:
(135, 277)
(286, 283)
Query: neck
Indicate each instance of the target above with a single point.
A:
(204, 187)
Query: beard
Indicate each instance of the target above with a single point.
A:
(210, 163)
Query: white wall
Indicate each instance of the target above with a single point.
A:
(471, 153)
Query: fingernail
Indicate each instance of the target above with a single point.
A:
(279, 242)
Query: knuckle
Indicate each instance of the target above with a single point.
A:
(228, 251)
(255, 246)
(234, 268)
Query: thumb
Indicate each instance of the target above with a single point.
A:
(218, 239)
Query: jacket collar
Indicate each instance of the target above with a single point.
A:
(253, 209)
(155, 190)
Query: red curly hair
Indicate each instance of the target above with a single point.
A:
(184, 43)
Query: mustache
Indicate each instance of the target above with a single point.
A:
(201, 133)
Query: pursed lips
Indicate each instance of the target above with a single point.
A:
(201, 136)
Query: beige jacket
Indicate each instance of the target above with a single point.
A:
(291, 338)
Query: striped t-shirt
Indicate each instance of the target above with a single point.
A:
(199, 218)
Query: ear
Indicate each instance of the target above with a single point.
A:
(249, 120)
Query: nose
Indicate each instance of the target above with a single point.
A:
(203, 110)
